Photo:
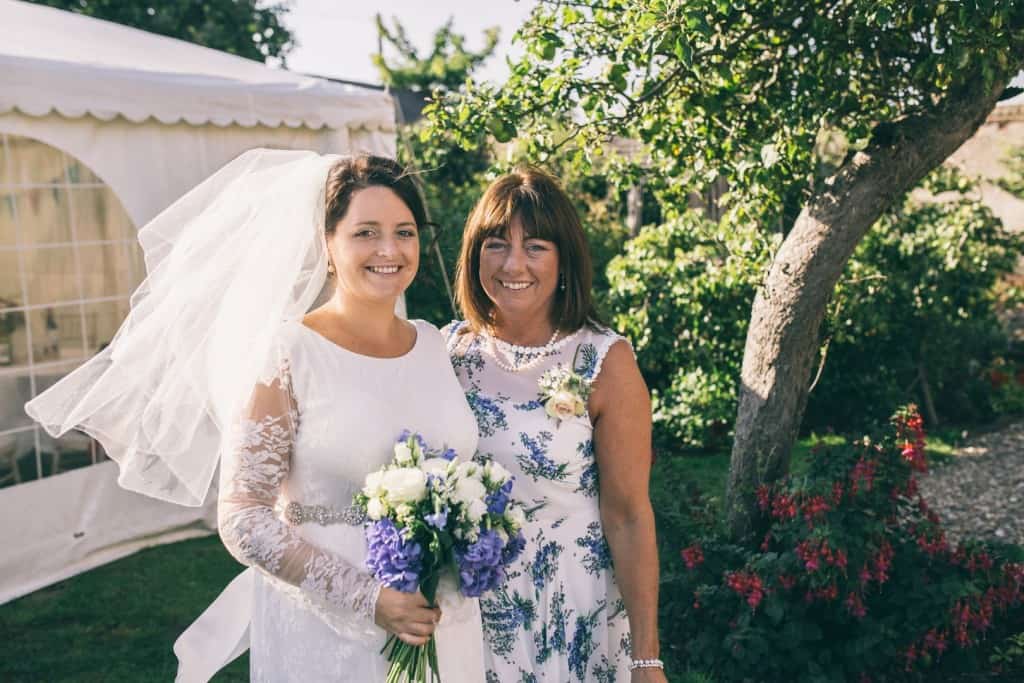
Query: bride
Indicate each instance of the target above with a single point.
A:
(219, 355)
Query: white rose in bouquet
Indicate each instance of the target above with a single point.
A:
(404, 485)
(376, 508)
(403, 454)
(496, 473)
(436, 466)
(466, 470)
(468, 489)
(516, 516)
(476, 510)
(372, 487)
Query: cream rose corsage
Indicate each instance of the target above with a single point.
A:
(563, 393)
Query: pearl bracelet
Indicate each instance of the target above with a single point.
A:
(646, 664)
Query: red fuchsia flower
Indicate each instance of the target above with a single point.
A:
(784, 507)
(816, 554)
(814, 508)
(911, 656)
(808, 553)
(863, 474)
(855, 606)
(696, 600)
(837, 493)
(935, 641)
(910, 430)
(933, 546)
(828, 593)
(766, 543)
(882, 562)
(864, 575)
(978, 561)
(693, 556)
(787, 581)
(763, 497)
(747, 585)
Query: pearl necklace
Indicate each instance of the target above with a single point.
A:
(541, 351)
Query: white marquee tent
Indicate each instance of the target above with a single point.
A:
(102, 126)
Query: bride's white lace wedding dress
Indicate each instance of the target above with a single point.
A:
(322, 420)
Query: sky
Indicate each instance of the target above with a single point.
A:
(337, 37)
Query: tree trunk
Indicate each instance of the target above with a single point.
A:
(783, 337)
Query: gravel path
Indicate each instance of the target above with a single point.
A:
(981, 493)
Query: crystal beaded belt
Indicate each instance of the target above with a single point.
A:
(296, 513)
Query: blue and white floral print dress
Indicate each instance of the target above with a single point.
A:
(559, 616)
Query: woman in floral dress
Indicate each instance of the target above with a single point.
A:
(560, 402)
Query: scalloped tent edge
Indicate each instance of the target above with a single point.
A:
(151, 116)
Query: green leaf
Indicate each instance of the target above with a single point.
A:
(683, 51)
(617, 76)
(501, 129)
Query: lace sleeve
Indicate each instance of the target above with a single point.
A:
(254, 465)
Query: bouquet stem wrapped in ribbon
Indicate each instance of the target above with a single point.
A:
(430, 514)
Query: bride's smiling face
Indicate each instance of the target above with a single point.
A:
(375, 247)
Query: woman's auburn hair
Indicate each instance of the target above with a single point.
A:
(546, 213)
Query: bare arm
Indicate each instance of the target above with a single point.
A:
(621, 407)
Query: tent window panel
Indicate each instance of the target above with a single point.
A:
(15, 390)
(57, 334)
(106, 271)
(13, 339)
(10, 282)
(8, 227)
(32, 162)
(69, 258)
(43, 215)
(102, 319)
(52, 275)
(98, 215)
(18, 462)
(80, 174)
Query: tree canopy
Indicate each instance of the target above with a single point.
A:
(757, 94)
(447, 67)
(247, 28)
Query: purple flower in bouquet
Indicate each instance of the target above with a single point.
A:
(480, 566)
(404, 436)
(449, 454)
(438, 520)
(497, 501)
(513, 549)
(394, 561)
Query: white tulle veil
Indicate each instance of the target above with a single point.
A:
(226, 265)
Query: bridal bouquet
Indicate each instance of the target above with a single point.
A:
(427, 514)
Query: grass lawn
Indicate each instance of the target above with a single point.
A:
(119, 622)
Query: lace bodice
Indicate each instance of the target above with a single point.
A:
(311, 432)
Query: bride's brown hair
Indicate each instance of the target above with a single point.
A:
(352, 174)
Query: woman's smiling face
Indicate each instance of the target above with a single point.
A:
(519, 273)
(375, 248)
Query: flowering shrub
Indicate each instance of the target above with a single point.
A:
(853, 578)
